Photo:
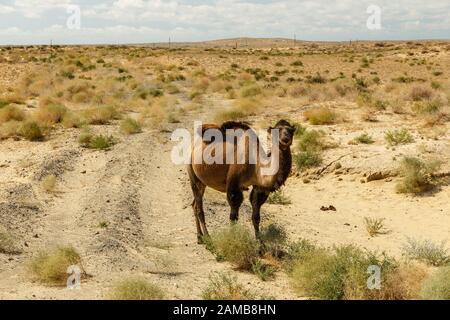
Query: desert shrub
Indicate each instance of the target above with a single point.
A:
(48, 183)
(307, 159)
(310, 140)
(99, 142)
(250, 91)
(9, 129)
(263, 270)
(420, 93)
(11, 113)
(130, 126)
(31, 130)
(136, 289)
(437, 287)
(417, 175)
(426, 251)
(241, 109)
(50, 266)
(279, 198)
(427, 107)
(342, 273)
(101, 115)
(7, 243)
(364, 139)
(237, 245)
(223, 286)
(374, 226)
(320, 116)
(51, 114)
(274, 238)
(72, 120)
(297, 63)
(317, 78)
(397, 137)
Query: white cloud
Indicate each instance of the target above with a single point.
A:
(155, 20)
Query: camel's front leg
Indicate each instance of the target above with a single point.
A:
(235, 198)
(257, 199)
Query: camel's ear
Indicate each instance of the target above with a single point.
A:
(270, 130)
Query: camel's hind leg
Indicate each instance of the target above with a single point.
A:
(198, 189)
(257, 199)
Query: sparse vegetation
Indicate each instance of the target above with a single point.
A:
(130, 126)
(224, 286)
(50, 266)
(237, 245)
(136, 288)
(398, 137)
(374, 226)
(437, 287)
(364, 139)
(279, 198)
(426, 251)
(320, 116)
(341, 273)
(99, 142)
(417, 175)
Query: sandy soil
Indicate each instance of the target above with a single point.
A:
(145, 200)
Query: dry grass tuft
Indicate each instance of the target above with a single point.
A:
(374, 226)
(136, 289)
(130, 126)
(237, 245)
(50, 266)
(224, 286)
(320, 116)
(417, 175)
(437, 287)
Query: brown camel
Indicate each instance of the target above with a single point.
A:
(236, 177)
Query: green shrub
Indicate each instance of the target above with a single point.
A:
(31, 130)
(51, 266)
(397, 137)
(364, 139)
(279, 198)
(437, 287)
(99, 142)
(340, 273)
(274, 239)
(307, 159)
(417, 175)
(237, 245)
(263, 270)
(426, 251)
(224, 286)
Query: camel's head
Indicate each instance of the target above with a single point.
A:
(287, 132)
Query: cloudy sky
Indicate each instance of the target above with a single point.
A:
(142, 21)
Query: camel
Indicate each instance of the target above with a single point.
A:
(236, 177)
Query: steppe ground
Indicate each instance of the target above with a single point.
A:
(127, 209)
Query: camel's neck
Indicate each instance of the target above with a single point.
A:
(275, 181)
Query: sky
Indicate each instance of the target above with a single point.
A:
(147, 21)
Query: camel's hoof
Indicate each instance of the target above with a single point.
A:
(200, 240)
